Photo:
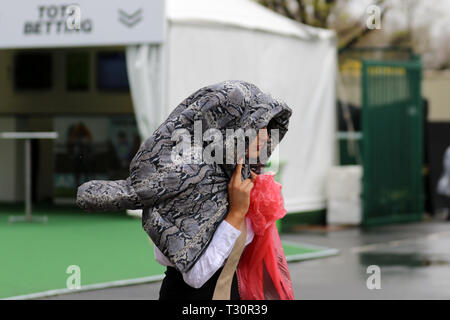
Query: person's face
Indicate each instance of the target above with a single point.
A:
(257, 143)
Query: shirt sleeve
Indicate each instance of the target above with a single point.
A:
(215, 254)
(214, 257)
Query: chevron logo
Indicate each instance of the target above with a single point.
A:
(130, 20)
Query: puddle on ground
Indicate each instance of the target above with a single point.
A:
(411, 260)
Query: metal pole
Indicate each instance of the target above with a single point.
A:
(27, 179)
(27, 136)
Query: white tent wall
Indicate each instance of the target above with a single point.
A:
(292, 62)
(145, 68)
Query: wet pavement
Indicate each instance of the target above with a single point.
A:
(414, 262)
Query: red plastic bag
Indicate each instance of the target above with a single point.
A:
(262, 271)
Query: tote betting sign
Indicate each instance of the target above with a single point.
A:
(50, 23)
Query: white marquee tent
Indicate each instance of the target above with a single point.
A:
(208, 41)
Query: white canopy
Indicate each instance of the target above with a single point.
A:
(208, 41)
(239, 13)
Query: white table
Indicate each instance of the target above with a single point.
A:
(27, 136)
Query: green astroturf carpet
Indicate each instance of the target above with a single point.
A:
(34, 257)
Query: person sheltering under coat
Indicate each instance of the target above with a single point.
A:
(211, 219)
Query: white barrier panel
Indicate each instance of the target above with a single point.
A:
(344, 195)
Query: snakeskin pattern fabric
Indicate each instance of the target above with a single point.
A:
(184, 202)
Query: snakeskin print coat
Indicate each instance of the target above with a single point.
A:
(184, 202)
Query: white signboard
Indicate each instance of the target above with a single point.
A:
(62, 23)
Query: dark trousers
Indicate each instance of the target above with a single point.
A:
(173, 287)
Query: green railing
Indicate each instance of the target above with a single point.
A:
(392, 141)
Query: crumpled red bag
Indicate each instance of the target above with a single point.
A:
(262, 272)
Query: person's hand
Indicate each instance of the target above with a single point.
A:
(239, 197)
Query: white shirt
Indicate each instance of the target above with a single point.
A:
(214, 256)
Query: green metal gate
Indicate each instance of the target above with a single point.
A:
(392, 136)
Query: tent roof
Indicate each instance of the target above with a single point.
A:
(246, 14)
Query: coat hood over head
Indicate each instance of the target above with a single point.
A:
(185, 198)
